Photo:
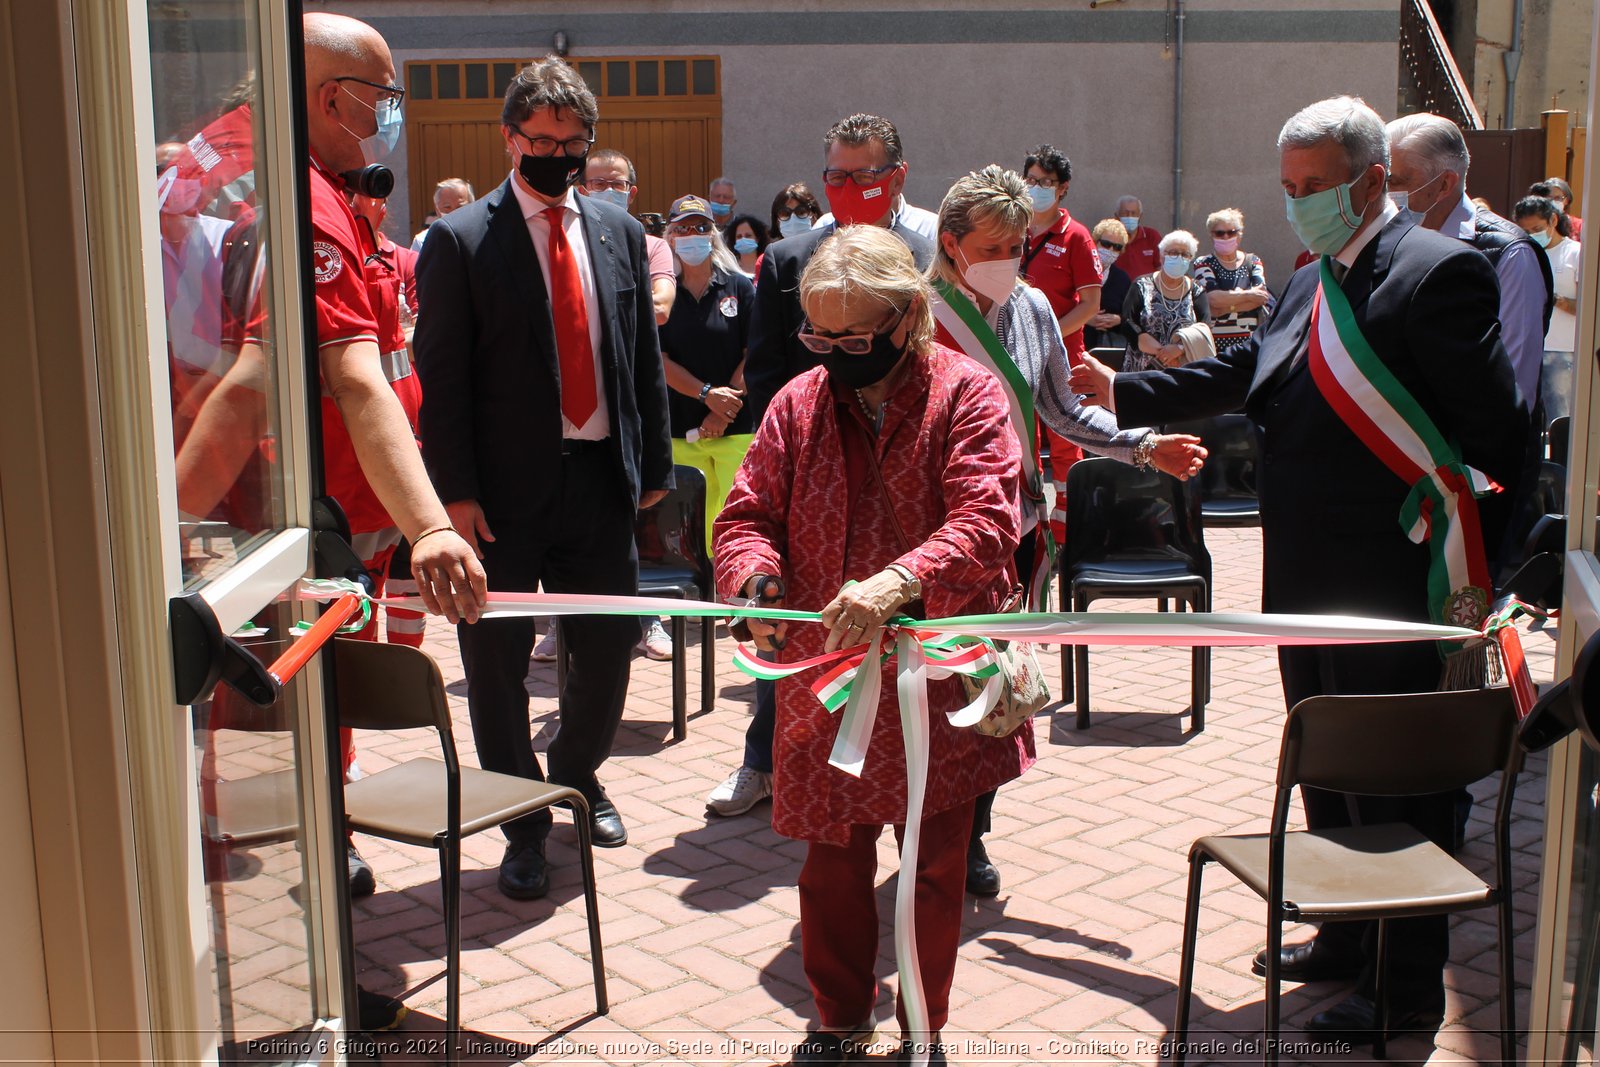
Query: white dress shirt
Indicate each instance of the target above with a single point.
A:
(599, 424)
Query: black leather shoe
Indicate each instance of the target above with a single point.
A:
(523, 873)
(605, 824)
(1355, 1019)
(983, 877)
(821, 1049)
(1310, 961)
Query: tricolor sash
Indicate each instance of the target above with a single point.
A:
(1442, 507)
(961, 326)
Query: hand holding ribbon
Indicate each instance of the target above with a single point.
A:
(861, 607)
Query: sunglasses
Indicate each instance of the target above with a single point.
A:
(1110, 246)
(855, 344)
(685, 228)
(1224, 233)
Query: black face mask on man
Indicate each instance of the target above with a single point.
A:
(859, 372)
(551, 175)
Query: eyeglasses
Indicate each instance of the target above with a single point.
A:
(393, 93)
(1110, 246)
(1043, 183)
(794, 214)
(546, 146)
(855, 344)
(864, 176)
(1224, 233)
(622, 185)
(681, 229)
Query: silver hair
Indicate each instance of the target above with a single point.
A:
(1179, 239)
(1345, 120)
(1433, 137)
(724, 180)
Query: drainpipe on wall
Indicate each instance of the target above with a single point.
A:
(1513, 58)
(1177, 113)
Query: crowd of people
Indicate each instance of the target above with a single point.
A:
(871, 392)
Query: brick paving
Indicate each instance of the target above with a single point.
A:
(1075, 962)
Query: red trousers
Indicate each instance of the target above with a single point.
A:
(839, 918)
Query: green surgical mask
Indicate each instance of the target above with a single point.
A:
(1324, 221)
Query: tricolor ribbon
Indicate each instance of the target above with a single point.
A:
(933, 648)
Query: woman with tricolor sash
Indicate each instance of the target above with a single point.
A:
(985, 310)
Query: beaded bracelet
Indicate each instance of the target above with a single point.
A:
(429, 533)
(1144, 451)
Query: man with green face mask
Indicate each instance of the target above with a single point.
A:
(1387, 301)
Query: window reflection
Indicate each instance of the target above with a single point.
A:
(219, 332)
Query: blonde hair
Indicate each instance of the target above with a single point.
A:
(989, 198)
(1112, 228)
(870, 261)
(458, 185)
(1180, 237)
(1228, 214)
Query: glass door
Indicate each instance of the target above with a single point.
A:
(229, 389)
(1566, 980)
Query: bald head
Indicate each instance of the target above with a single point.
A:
(340, 113)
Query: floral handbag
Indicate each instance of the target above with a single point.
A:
(1023, 689)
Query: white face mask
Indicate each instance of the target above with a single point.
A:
(993, 278)
(619, 197)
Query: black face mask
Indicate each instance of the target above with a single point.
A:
(858, 372)
(551, 175)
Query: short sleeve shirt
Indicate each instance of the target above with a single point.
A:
(339, 251)
(1142, 253)
(707, 337)
(1059, 262)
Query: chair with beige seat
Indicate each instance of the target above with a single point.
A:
(435, 803)
(1406, 745)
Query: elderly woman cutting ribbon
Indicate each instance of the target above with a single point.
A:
(880, 483)
(985, 311)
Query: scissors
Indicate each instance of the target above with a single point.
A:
(769, 590)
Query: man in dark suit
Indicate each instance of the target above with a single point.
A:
(864, 172)
(1331, 538)
(545, 429)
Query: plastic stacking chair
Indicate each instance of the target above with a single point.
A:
(1111, 357)
(674, 561)
(1228, 480)
(1133, 533)
(1432, 743)
(1558, 438)
(436, 803)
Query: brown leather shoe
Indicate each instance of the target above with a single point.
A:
(1310, 961)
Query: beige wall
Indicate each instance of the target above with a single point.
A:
(1555, 57)
(1101, 88)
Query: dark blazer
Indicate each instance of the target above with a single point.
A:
(775, 357)
(1329, 508)
(486, 353)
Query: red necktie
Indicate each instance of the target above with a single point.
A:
(573, 351)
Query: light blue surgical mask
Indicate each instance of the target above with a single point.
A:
(1324, 221)
(1175, 266)
(390, 121)
(618, 197)
(1542, 238)
(1043, 198)
(721, 211)
(745, 245)
(693, 249)
(794, 225)
(1129, 223)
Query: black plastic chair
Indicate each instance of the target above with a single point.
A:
(1228, 480)
(1558, 437)
(434, 803)
(674, 561)
(1111, 357)
(1134, 534)
(1431, 743)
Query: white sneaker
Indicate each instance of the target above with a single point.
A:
(655, 643)
(743, 790)
(545, 650)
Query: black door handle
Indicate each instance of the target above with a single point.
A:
(202, 656)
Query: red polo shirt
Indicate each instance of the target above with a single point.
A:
(1142, 254)
(1059, 262)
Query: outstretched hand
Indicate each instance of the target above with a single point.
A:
(1093, 381)
(1179, 454)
